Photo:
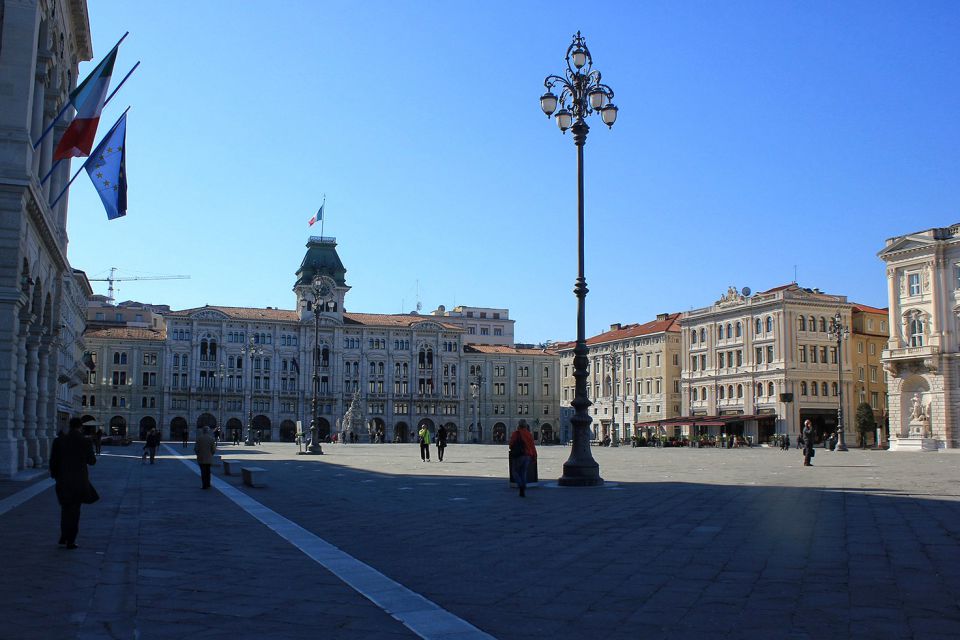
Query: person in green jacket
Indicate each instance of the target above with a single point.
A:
(424, 438)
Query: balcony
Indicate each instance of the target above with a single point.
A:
(927, 356)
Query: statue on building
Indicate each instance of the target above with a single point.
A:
(918, 412)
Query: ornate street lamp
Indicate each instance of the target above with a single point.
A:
(252, 351)
(613, 360)
(476, 388)
(581, 94)
(321, 291)
(837, 331)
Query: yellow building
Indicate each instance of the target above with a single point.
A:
(869, 334)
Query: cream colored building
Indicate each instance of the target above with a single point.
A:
(236, 366)
(42, 43)
(634, 373)
(923, 288)
(759, 365)
(483, 325)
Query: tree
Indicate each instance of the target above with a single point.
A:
(864, 420)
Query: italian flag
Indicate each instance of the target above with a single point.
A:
(87, 99)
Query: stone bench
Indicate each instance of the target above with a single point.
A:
(231, 467)
(253, 476)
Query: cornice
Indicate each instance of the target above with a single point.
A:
(37, 212)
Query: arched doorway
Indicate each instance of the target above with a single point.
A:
(178, 427)
(546, 434)
(146, 423)
(499, 433)
(452, 435)
(378, 430)
(118, 426)
(401, 432)
(288, 431)
(323, 429)
(206, 420)
(234, 426)
(261, 424)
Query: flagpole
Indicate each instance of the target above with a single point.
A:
(129, 73)
(68, 103)
(83, 166)
(105, 103)
(323, 216)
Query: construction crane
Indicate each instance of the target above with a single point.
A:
(113, 278)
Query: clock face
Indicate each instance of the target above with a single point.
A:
(325, 287)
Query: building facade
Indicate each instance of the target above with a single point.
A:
(237, 367)
(869, 335)
(43, 41)
(634, 377)
(759, 365)
(921, 356)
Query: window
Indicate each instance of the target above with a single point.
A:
(814, 388)
(803, 323)
(823, 386)
(721, 393)
(695, 394)
(916, 332)
(802, 353)
(873, 374)
(860, 374)
(769, 324)
(813, 324)
(760, 389)
(770, 389)
(739, 330)
(823, 324)
(757, 327)
(739, 390)
(859, 346)
(823, 355)
(913, 281)
(759, 354)
(703, 335)
(769, 353)
(803, 388)
(874, 400)
(693, 336)
(813, 353)
(873, 349)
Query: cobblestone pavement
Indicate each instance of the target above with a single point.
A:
(681, 543)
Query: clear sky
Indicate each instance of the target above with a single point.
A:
(754, 138)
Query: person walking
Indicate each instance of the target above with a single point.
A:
(441, 442)
(236, 436)
(98, 440)
(205, 447)
(185, 435)
(522, 451)
(807, 435)
(150, 448)
(70, 455)
(423, 436)
(786, 442)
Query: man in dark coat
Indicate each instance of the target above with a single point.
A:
(205, 447)
(69, 457)
(807, 435)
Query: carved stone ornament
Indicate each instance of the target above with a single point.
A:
(926, 278)
(209, 314)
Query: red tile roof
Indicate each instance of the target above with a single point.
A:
(868, 309)
(125, 333)
(671, 324)
(285, 315)
(499, 348)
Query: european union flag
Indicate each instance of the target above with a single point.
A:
(107, 168)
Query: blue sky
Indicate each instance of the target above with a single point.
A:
(753, 138)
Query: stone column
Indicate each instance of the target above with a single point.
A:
(11, 376)
(30, 445)
(36, 121)
(893, 317)
(44, 420)
(21, 378)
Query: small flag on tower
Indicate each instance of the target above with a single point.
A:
(317, 216)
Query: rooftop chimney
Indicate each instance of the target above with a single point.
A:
(615, 327)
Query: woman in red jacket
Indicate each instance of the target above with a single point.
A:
(522, 451)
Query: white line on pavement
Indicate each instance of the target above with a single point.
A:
(17, 499)
(424, 617)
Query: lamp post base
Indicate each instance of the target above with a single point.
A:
(576, 474)
(314, 450)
